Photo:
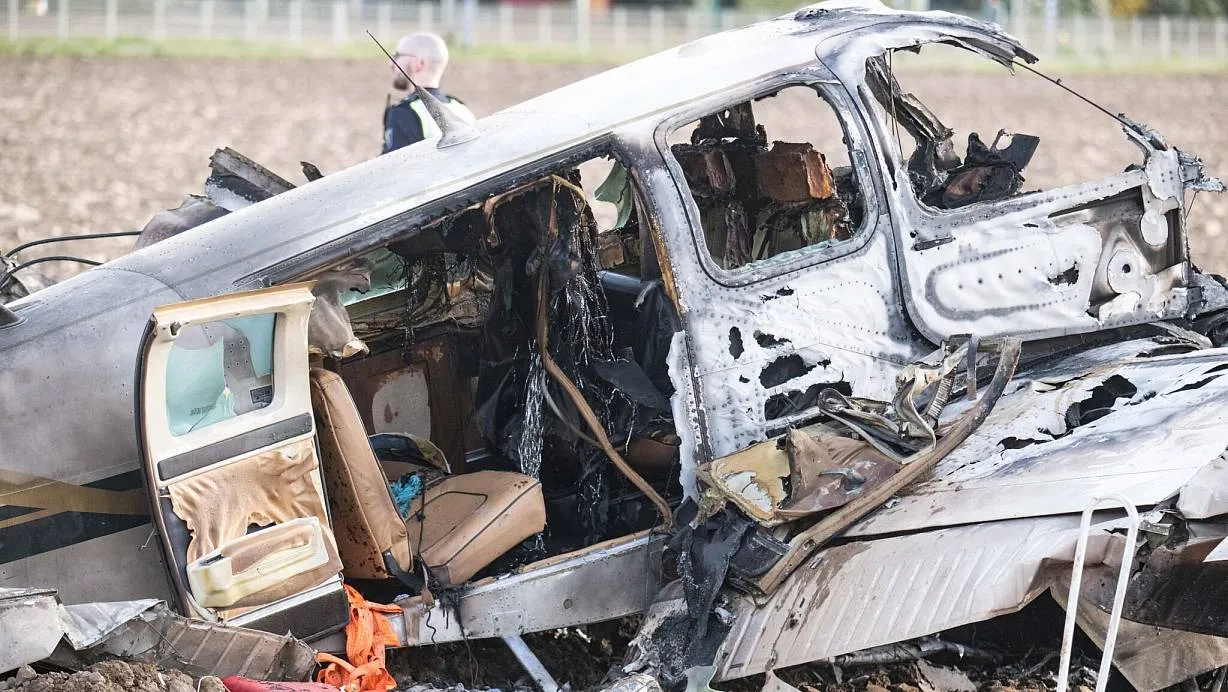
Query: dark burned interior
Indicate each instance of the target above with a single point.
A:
(940, 179)
(530, 358)
(759, 198)
(536, 337)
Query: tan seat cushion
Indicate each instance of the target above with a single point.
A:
(471, 519)
(365, 519)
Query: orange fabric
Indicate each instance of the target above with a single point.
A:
(366, 636)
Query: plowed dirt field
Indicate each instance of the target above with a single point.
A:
(101, 144)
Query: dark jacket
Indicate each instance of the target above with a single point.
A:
(408, 121)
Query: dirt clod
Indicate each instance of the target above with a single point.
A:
(211, 684)
(113, 676)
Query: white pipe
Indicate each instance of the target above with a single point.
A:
(1119, 597)
(530, 663)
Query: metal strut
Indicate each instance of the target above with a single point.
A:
(531, 664)
(1119, 597)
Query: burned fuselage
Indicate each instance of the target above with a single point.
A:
(690, 336)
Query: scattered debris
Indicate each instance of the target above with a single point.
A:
(35, 627)
(112, 676)
(802, 447)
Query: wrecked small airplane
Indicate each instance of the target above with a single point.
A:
(787, 401)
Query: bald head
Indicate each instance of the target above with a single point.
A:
(424, 56)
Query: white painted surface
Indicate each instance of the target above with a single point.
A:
(402, 404)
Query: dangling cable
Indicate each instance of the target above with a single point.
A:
(63, 238)
(577, 399)
(4, 278)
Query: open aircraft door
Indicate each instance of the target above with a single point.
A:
(228, 446)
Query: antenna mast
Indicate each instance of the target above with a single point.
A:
(454, 129)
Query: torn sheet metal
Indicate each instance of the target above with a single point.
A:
(1151, 658)
(1071, 431)
(752, 478)
(827, 471)
(921, 584)
(1206, 494)
(34, 626)
(30, 626)
(942, 679)
(550, 596)
(1175, 585)
(196, 647)
(822, 472)
(86, 624)
(236, 181)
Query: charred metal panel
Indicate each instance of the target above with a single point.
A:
(1175, 587)
(842, 327)
(1076, 429)
(1068, 260)
(1150, 658)
(870, 593)
(1206, 494)
(764, 339)
(236, 181)
(606, 583)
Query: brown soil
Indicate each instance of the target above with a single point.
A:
(581, 656)
(111, 676)
(101, 144)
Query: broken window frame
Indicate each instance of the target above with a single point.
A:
(832, 94)
(315, 260)
(328, 256)
(919, 230)
(939, 219)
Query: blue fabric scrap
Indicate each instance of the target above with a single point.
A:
(404, 490)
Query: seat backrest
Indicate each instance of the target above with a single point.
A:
(367, 525)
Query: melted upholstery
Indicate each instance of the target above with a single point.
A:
(367, 523)
(265, 489)
(469, 520)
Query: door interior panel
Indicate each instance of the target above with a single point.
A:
(229, 450)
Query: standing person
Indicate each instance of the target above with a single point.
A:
(424, 57)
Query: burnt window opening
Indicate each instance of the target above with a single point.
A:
(451, 316)
(770, 176)
(1003, 139)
